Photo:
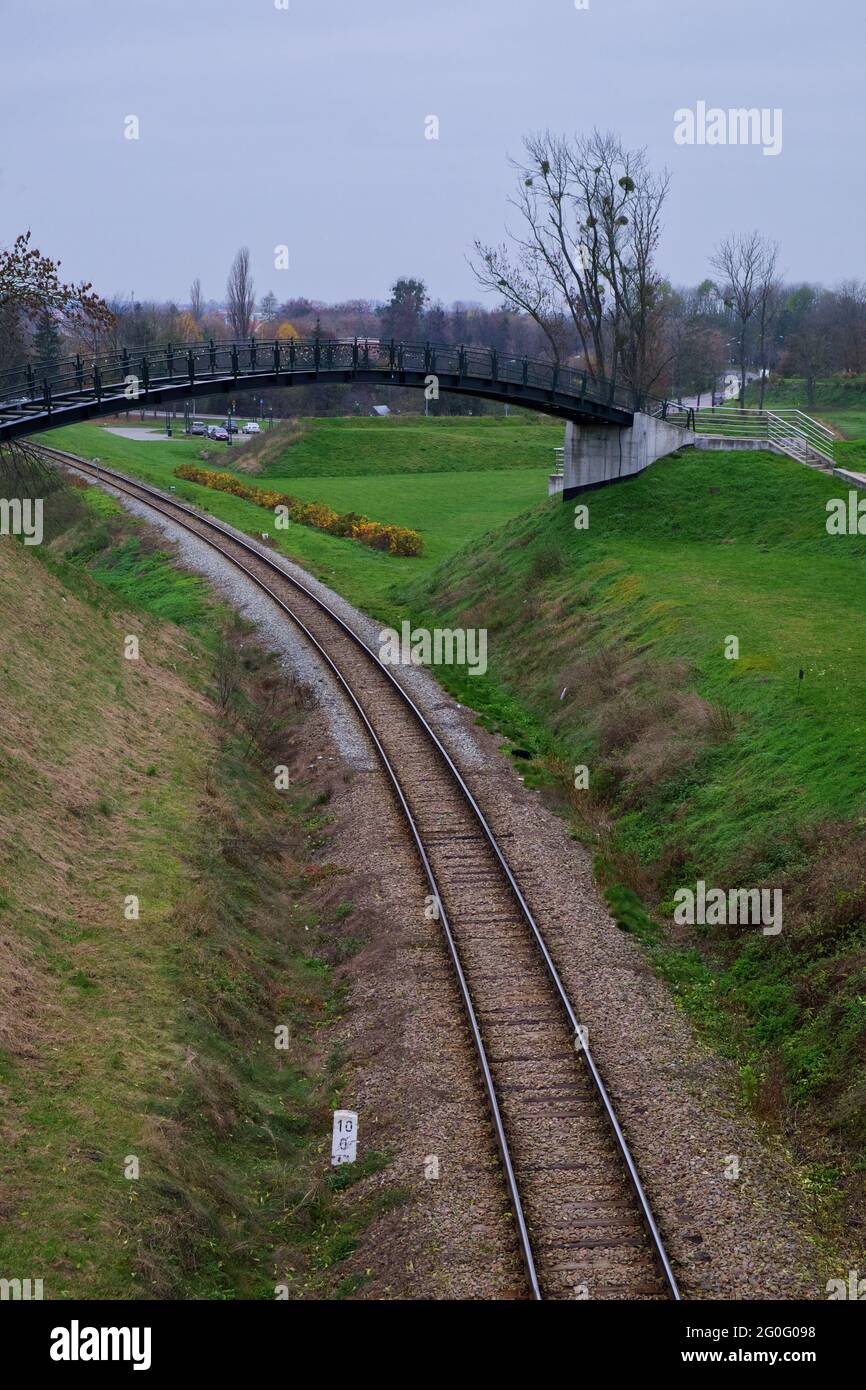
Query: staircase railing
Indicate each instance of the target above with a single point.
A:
(792, 431)
(794, 424)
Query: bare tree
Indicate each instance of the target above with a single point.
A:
(196, 300)
(849, 326)
(809, 343)
(31, 289)
(25, 471)
(770, 298)
(29, 282)
(13, 337)
(747, 264)
(585, 256)
(697, 350)
(520, 279)
(240, 295)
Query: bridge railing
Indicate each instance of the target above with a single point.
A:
(106, 374)
(677, 414)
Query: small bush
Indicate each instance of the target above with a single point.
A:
(547, 561)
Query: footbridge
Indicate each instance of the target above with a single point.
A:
(612, 429)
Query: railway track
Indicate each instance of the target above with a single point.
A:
(583, 1221)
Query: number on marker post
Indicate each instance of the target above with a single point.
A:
(344, 1141)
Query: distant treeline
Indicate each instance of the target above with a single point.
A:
(807, 331)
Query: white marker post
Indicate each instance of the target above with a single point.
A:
(344, 1141)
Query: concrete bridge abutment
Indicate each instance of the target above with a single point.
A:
(598, 454)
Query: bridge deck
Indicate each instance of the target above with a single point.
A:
(34, 397)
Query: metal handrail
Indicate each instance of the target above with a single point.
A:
(789, 429)
(48, 385)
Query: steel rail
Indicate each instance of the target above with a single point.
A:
(581, 1045)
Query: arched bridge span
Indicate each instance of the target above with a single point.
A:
(37, 397)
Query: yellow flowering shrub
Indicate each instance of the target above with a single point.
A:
(396, 540)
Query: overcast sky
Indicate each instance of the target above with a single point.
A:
(306, 127)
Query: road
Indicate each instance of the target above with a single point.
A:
(730, 389)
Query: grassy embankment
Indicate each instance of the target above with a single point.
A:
(153, 1038)
(610, 643)
(451, 479)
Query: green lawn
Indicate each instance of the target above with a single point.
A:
(851, 423)
(356, 446)
(697, 548)
(344, 447)
(449, 508)
(852, 453)
(839, 401)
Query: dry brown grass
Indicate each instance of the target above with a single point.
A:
(25, 1014)
(833, 894)
(646, 725)
(81, 732)
(265, 449)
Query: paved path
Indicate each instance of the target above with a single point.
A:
(730, 390)
(129, 432)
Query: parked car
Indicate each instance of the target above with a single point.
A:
(231, 426)
(217, 432)
(252, 427)
(198, 427)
